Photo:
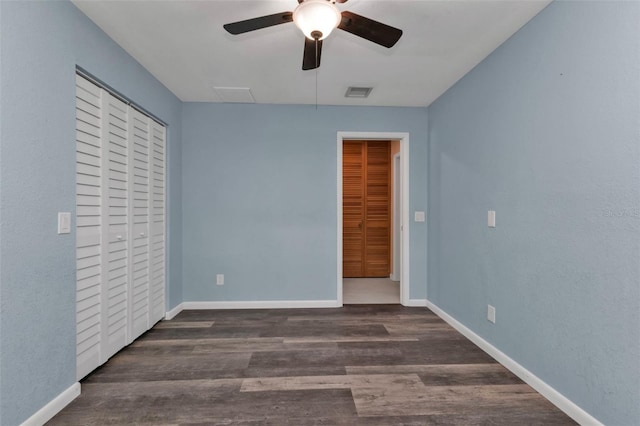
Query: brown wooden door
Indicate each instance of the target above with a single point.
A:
(353, 199)
(366, 200)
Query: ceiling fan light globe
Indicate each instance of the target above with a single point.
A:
(316, 15)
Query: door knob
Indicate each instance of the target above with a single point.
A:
(119, 237)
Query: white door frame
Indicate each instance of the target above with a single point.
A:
(404, 199)
(397, 216)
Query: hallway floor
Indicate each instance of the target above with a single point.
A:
(357, 365)
(370, 291)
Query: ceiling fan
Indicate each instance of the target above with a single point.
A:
(316, 19)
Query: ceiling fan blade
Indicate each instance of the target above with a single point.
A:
(369, 29)
(259, 23)
(310, 60)
(341, 1)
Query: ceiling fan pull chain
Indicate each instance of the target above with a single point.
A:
(317, 73)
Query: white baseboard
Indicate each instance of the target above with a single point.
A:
(173, 312)
(417, 302)
(555, 397)
(263, 304)
(54, 406)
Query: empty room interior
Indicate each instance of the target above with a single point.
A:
(363, 212)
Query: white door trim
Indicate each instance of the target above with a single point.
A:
(404, 197)
(397, 212)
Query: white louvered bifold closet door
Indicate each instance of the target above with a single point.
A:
(157, 230)
(139, 199)
(120, 228)
(89, 267)
(117, 247)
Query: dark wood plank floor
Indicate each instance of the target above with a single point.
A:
(357, 365)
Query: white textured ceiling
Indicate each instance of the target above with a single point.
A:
(182, 43)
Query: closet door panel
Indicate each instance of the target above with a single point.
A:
(157, 224)
(140, 130)
(353, 204)
(116, 322)
(89, 100)
(378, 209)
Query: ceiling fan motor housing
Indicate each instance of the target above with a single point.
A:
(317, 18)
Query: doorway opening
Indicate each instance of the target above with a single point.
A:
(373, 200)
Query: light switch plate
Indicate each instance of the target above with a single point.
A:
(64, 222)
(419, 216)
(491, 219)
(491, 314)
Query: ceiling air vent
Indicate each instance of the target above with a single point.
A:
(358, 92)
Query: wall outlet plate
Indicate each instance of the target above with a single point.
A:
(220, 279)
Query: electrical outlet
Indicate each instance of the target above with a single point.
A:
(491, 314)
(220, 279)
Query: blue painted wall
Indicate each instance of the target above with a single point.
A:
(546, 131)
(41, 44)
(259, 197)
